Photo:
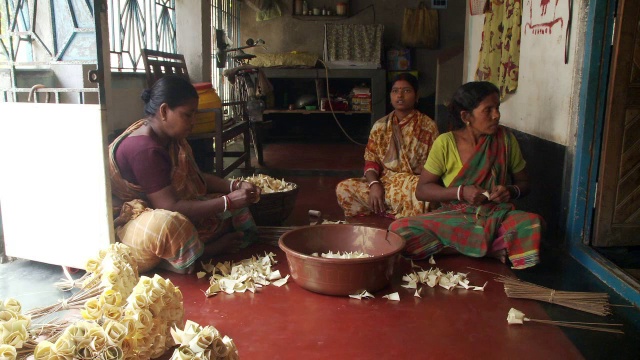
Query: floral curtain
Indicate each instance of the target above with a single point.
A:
(354, 42)
(499, 60)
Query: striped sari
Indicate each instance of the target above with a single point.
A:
(477, 230)
(156, 234)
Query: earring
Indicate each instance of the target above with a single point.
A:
(467, 123)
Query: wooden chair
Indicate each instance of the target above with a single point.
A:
(158, 64)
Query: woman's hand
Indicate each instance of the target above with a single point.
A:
(474, 195)
(376, 198)
(243, 197)
(251, 187)
(500, 194)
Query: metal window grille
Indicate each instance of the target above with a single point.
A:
(64, 35)
(225, 15)
(140, 24)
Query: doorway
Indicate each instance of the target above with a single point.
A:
(616, 221)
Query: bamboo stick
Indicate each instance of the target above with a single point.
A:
(590, 302)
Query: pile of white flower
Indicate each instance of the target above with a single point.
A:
(345, 255)
(436, 277)
(268, 184)
(246, 275)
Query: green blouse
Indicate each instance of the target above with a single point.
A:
(444, 159)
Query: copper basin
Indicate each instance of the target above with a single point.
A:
(341, 276)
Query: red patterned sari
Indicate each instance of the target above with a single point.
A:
(473, 230)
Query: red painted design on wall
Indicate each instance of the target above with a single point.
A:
(542, 17)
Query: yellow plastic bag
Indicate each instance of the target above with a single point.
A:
(420, 27)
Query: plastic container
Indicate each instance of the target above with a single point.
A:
(341, 276)
(209, 99)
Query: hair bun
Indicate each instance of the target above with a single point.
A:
(146, 95)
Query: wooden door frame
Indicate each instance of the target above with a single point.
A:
(591, 116)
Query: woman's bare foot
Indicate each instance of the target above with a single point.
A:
(164, 264)
(500, 255)
(225, 244)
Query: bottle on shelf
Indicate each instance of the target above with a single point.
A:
(341, 8)
(305, 7)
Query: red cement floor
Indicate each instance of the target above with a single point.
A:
(293, 323)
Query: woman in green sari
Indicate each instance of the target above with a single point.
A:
(474, 171)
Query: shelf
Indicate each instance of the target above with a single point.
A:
(275, 111)
(320, 17)
(376, 78)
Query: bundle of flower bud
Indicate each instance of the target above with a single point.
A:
(204, 343)
(247, 274)
(84, 340)
(516, 316)
(137, 328)
(8, 352)
(114, 268)
(155, 305)
(18, 335)
(14, 328)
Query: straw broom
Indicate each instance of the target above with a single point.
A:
(591, 302)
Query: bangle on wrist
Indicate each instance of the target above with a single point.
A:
(231, 185)
(226, 203)
(374, 182)
(460, 194)
(517, 191)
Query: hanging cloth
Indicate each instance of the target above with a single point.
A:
(499, 60)
(420, 27)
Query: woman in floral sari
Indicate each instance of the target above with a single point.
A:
(168, 208)
(474, 171)
(397, 149)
